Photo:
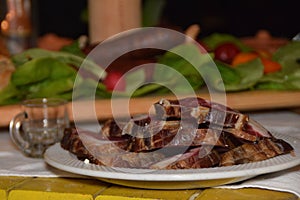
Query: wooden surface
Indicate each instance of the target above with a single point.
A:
(102, 109)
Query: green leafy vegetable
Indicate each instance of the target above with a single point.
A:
(288, 56)
(9, 95)
(184, 69)
(213, 40)
(243, 77)
(73, 48)
(229, 75)
(44, 77)
(134, 79)
(148, 89)
(43, 73)
(51, 87)
(40, 69)
(76, 61)
(31, 72)
(172, 72)
(152, 11)
(280, 81)
(179, 65)
(288, 78)
(250, 73)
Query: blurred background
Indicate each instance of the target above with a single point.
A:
(69, 18)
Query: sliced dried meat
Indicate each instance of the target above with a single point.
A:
(159, 133)
(112, 129)
(200, 111)
(156, 135)
(253, 152)
(184, 134)
(72, 142)
(200, 157)
(91, 146)
(187, 137)
(137, 160)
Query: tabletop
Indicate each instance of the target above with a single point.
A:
(17, 180)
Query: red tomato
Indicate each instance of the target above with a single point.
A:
(114, 81)
(226, 52)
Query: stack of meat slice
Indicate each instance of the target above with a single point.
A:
(182, 134)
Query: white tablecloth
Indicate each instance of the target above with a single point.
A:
(13, 163)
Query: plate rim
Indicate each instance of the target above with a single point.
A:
(62, 159)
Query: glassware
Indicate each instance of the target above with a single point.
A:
(40, 125)
(16, 28)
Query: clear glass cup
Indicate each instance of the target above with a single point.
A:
(40, 125)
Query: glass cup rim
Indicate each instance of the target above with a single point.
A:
(44, 102)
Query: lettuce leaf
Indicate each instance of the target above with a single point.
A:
(243, 77)
(180, 64)
(9, 95)
(213, 40)
(288, 78)
(288, 56)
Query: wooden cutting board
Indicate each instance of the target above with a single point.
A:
(243, 101)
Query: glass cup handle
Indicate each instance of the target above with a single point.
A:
(14, 130)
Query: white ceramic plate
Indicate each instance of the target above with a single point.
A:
(173, 179)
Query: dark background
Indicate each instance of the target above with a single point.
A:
(240, 18)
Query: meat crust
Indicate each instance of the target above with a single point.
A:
(183, 134)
